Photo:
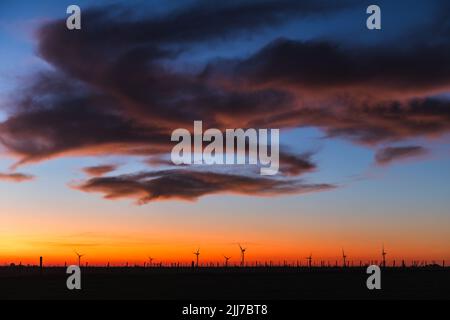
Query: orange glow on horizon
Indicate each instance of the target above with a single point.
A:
(126, 236)
(120, 252)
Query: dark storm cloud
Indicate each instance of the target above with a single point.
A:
(124, 96)
(365, 94)
(100, 170)
(127, 97)
(55, 120)
(190, 185)
(113, 90)
(126, 64)
(327, 66)
(116, 34)
(201, 21)
(67, 124)
(373, 122)
(390, 154)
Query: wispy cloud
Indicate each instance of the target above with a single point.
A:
(391, 154)
(146, 187)
(100, 170)
(15, 177)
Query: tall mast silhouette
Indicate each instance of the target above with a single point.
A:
(309, 259)
(242, 255)
(383, 253)
(197, 253)
(344, 257)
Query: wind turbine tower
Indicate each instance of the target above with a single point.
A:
(226, 260)
(79, 258)
(309, 260)
(242, 256)
(344, 257)
(384, 253)
(197, 253)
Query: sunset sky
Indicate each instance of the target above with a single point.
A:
(86, 117)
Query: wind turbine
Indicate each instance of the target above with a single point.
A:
(151, 261)
(79, 258)
(242, 255)
(197, 253)
(226, 260)
(344, 257)
(309, 259)
(383, 253)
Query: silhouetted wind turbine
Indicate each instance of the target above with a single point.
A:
(383, 253)
(242, 255)
(151, 260)
(79, 258)
(226, 260)
(197, 253)
(344, 257)
(309, 260)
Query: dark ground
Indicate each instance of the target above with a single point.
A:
(224, 283)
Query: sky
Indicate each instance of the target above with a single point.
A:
(86, 118)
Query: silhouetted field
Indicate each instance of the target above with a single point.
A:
(224, 283)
